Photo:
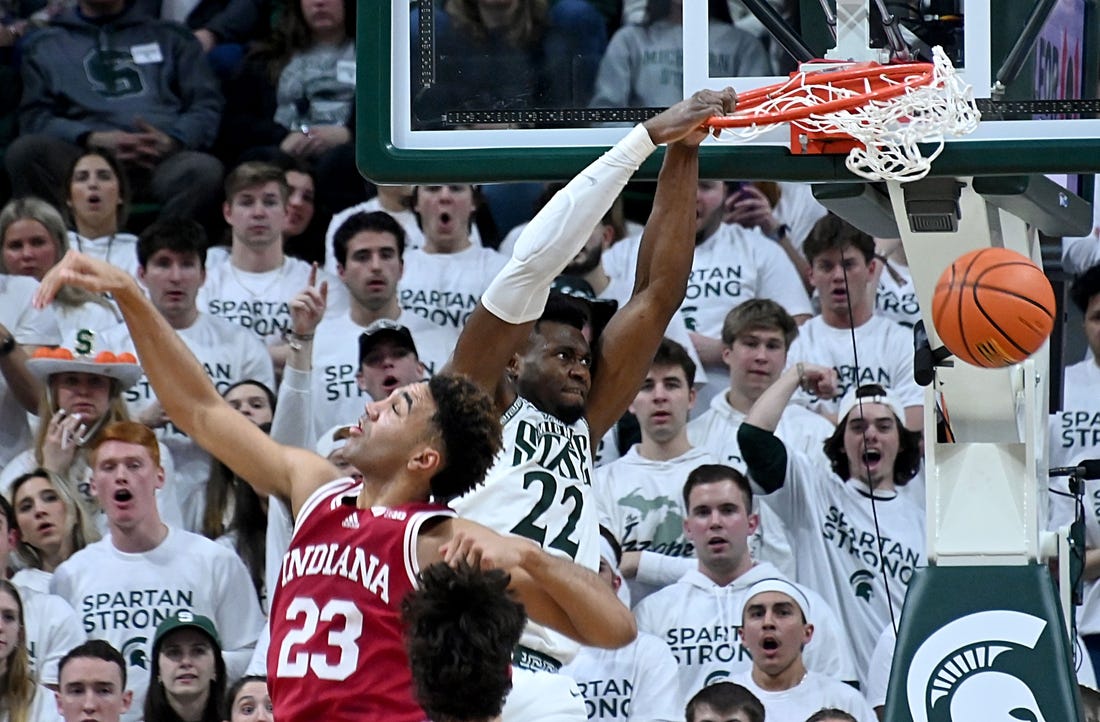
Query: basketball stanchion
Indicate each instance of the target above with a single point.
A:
(993, 307)
(877, 114)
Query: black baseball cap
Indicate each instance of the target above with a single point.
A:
(382, 329)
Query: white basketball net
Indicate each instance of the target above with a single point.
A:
(889, 130)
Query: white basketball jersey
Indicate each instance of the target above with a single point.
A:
(539, 487)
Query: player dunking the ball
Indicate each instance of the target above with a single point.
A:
(337, 648)
(556, 393)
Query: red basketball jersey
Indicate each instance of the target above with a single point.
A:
(337, 642)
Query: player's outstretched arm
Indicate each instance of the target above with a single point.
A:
(186, 392)
(627, 345)
(555, 592)
(501, 324)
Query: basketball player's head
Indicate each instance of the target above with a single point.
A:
(445, 431)
(461, 627)
(554, 372)
(870, 442)
(724, 702)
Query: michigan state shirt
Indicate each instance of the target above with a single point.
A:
(539, 487)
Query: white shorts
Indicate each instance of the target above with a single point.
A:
(543, 696)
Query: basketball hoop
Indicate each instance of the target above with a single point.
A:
(878, 114)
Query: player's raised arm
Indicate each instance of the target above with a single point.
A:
(501, 323)
(555, 592)
(186, 392)
(626, 346)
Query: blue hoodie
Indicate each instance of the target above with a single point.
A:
(80, 76)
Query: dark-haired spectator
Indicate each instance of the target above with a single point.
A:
(396, 200)
(167, 568)
(171, 258)
(511, 54)
(395, 346)
(105, 75)
(187, 678)
(247, 700)
(97, 202)
(872, 456)
(777, 622)
(93, 684)
(697, 615)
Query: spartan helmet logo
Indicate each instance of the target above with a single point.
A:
(956, 664)
(860, 582)
(133, 651)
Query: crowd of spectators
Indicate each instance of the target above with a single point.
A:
(207, 148)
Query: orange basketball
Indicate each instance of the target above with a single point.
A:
(993, 307)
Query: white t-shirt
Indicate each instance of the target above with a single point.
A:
(261, 301)
(336, 396)
(1074, 437)
(445, 287)
(539, 487)
(118, 249)
(734, 265)
(414, 237)
(700, 621)
(30, 328)
(52, 629)
(885, 358)
(833, 530)
(641, 502)
(229, 354)
(620, 289)
(896, 298)
(123, 597)
(36, 580)
(43, 707)
(636, 683)
(716, 431)
(813, 693)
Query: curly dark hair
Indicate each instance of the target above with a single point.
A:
(469, 426)
(1084, 288)
(906, 464)
(461, 626)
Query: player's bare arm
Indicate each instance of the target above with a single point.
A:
(497, 330)
(186, 392)
(626, 347)
(555, 591)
